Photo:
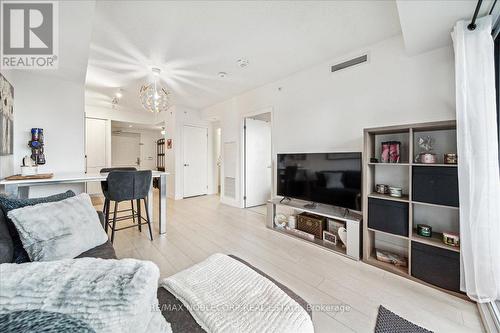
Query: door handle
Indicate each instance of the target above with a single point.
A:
(186, 165)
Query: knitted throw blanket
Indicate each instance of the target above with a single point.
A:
(224, 295)
(107, 295)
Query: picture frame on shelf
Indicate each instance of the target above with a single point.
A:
(329, 237)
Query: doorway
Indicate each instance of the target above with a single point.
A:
(95, 150)
(257, 161)
(195, 155)
(218, 159)
(125, 151)
(134, 145)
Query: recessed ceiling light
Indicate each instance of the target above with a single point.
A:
(242, 62)
(129, 125)
(222, 74)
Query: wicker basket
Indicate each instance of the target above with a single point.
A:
(312, 224)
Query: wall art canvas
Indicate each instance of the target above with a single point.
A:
(6, 117)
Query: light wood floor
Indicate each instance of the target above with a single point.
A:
(198, 227)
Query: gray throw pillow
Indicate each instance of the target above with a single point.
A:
(59, 230)
(6, 244)
(8, 203)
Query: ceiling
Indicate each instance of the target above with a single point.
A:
(192, 41)
(123, 125)
(427, 24)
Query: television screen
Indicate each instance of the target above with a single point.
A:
(328, 178)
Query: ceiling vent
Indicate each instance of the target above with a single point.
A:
(349, 63)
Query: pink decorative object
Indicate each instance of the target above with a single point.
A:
(427, 158)
(390, 152)
(394, 154)
(384, 156)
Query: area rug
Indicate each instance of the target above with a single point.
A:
(389, 322)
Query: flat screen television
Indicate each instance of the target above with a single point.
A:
(328, 178)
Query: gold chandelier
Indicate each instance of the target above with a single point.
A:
(154, 97)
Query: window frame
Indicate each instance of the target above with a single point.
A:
(497, 84)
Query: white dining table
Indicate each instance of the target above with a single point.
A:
(20, 189)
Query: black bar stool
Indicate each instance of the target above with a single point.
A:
(125, 186)
(104, 188)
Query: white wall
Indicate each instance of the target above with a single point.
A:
(57, 106)
(54, 100)
(123, 114)
(315, 110)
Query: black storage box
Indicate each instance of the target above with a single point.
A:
(436, 266)
(389, 216)
(435, 185)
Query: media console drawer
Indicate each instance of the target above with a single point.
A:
(388, 216)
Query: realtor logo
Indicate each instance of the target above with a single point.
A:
(29, 33)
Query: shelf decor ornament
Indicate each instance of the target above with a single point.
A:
(450, 158)
(391, 258)
(36, 144)
(280, 220)
(390, 152)
(451, 238)
(329, 237)
(424, 230)
(382, 188)
(426, 156)
(342, 232)
(395, 191)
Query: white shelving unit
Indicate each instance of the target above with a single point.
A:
(440, 217)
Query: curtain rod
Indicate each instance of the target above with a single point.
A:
(492, 7)
(472, 24)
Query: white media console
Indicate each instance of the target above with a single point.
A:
(351, 220)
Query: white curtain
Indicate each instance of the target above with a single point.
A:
(478, 170)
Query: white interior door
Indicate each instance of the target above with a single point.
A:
(126, 150)
(195, 142)
(257, 162)
(95, 150)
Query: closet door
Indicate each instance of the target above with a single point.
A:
(95, 150)
(195, 161)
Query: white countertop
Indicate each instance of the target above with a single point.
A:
(68, 177)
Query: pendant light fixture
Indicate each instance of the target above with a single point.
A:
(154, 97)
